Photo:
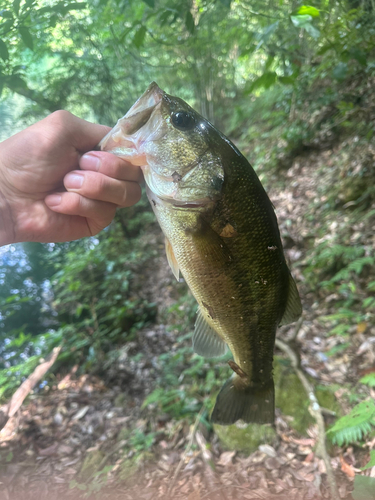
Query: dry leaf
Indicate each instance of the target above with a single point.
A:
(346, 468)
(226, 458)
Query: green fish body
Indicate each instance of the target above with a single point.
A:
(222, 234)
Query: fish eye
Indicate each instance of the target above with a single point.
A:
(183, 120)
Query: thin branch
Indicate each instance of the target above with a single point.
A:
(27, 386)
(316, 412)
(188, 447)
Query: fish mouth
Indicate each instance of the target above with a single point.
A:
(126, 137)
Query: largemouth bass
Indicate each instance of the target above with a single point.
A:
(221, 232)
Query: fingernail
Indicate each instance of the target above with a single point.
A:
(53, 200)
(73, 181)
(90, 161)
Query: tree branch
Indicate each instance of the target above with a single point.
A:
(316, 412)
(9, 410)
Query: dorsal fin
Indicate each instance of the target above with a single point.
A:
(293, 308)
(206, 342)
(172, 259)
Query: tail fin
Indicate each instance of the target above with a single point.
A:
(237, 401)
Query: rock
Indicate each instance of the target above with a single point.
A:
(245, 439)
(292, 400)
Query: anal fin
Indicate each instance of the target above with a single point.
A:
(293, 308)
(206, 342)
(172, 261)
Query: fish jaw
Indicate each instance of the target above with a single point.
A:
(128, 135)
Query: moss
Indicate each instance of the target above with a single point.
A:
(291, 397)
(292, 400)
(91, 464)
(130, 466)
(245, 439)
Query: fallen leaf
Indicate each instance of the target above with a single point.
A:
(346, 468)
(226, 458)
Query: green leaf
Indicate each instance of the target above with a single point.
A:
(364, 488)
(26, 37)
(16, 83)
(75, 6)
(266, 80)
(1, 85)
(6, 14)
(64, 9)
(139, 36)
(16, 6)
(371, 463)
(286, 80)
(226, 3)
(150, 3)
(340, 71)
(359, 55)
(368, 379)
(304, 22)
(308, 10)
(4, 54)
(189, 22)
(355, 425)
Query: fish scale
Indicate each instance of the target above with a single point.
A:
(222, 235)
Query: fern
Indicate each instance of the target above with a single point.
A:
(368, 379)
(355, 425)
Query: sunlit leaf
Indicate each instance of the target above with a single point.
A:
(368, 379)
(364, 488)
(4, 54)
(309, 10)
(26, 37)
(304, 22)
(189, 22)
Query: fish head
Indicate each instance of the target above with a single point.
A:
(173, 144)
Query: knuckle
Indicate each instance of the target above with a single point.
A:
(60, 117)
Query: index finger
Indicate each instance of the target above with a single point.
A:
(110, 165)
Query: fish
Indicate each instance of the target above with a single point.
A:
(222, 235)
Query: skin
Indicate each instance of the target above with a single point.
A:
(54, 187)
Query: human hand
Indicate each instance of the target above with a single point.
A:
(51, 191)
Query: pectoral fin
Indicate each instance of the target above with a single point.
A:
(293, 309)
(172, 259)
(206, 342)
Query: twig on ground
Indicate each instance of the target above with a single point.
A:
(297, 328)
(188, 447)
(10, 409)
(316, 412)
(209, 475)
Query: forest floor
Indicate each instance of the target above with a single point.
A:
(68, 441)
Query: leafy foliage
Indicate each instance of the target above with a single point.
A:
(364, 488)
(354, 426)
